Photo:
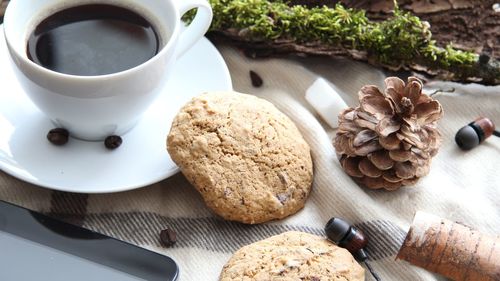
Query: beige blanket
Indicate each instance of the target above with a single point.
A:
(461, 186)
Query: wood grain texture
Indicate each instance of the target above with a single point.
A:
(467, 25)
(451, 249)
(470, 25)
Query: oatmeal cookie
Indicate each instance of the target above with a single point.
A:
(246, 158)
(293, 256)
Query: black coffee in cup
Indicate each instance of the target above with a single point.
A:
(93, 39)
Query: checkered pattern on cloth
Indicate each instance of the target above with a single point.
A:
(461, 186)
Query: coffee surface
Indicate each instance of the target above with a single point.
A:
(93, 39)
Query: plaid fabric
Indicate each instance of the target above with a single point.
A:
(461, 186)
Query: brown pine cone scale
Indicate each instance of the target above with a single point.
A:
(388, 141)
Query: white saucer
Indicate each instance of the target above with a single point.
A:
(88, 167)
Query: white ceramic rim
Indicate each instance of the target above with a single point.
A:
(168, 173)
(173, 37)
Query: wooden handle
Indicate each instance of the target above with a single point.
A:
(486, 125)
(451, 249)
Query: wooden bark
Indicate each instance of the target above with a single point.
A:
(469, 24)
(451, 249)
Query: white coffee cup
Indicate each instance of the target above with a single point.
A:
(94, 107)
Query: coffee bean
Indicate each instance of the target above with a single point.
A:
(168, 237)
(58, 136)
(113, 142)
(256, 79)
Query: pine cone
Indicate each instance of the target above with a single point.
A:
(390, 139)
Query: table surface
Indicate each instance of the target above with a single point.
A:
(461, 186)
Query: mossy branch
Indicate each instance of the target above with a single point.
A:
(400, 42)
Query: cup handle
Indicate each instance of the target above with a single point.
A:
(199, 25)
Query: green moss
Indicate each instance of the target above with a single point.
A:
(401, 40)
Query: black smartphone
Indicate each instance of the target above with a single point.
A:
(36, 247)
